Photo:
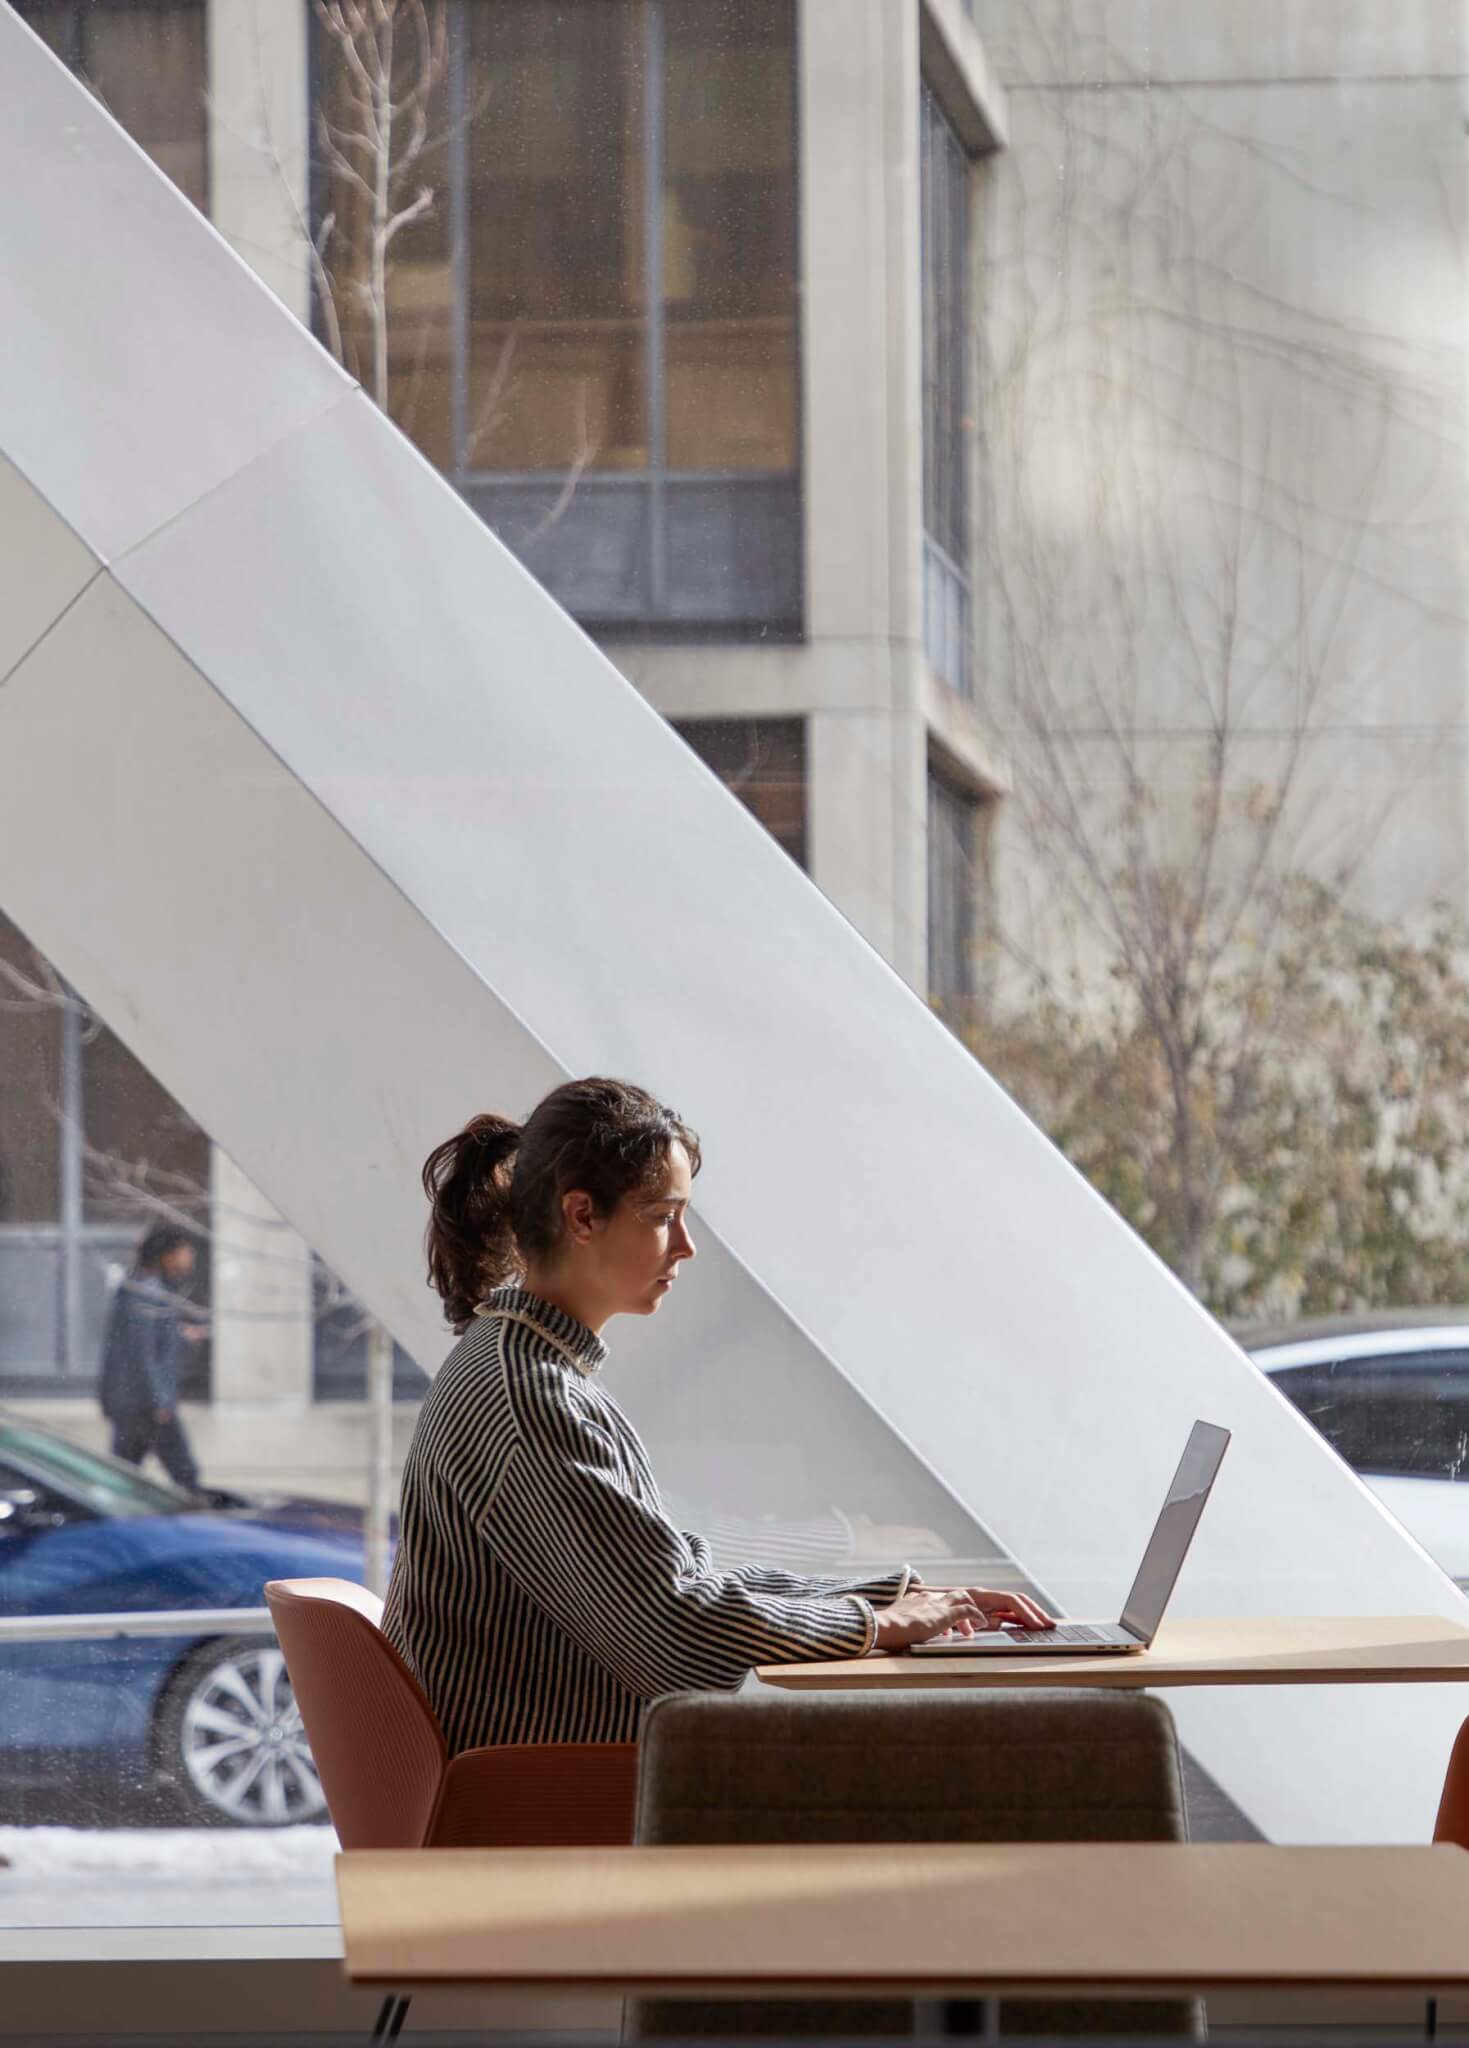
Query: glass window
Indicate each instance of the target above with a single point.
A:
(1220, 329)
(144, 1158)
(384, 282)
(763, 761)
(340, 1328)
(1403, 1416)
(93, 1152)
(31, 1296)
(146, 63)
(729, 236)
(590, 324)
(31, 1001)
(953, 856)
(557, 271)
(947, 341)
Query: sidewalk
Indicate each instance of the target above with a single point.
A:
(167, 1877)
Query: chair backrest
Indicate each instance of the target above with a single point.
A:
(960, 1766)
(378, 1750)
(1452, 1824)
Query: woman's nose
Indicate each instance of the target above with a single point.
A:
(684, 1245)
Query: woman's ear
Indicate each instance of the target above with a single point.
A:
(579, 1215)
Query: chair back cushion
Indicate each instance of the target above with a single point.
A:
(909, 1766)
(378, 1750)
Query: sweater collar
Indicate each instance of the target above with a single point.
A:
(578, 1345)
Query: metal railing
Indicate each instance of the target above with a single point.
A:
(175, 1621)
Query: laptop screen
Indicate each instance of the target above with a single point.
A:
(1168, 1546)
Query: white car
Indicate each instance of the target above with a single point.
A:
(1390, 1393)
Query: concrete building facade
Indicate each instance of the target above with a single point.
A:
(1223, 447)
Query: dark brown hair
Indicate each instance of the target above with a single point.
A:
(495, 1188)
(156, 1244)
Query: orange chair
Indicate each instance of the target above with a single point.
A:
(1452, 1824)
(385, 1768)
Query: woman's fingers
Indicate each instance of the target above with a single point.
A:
(1011, 1607)
(963, 1612)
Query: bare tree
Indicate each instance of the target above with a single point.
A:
(387, 60)
(382, 133)
(1216, 521)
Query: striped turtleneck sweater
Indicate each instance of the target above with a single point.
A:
(540, 1593)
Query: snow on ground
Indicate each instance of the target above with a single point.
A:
(180, 1877)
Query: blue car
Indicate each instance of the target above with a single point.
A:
(208, 1722)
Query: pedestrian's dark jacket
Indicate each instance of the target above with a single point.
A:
(143, 1350)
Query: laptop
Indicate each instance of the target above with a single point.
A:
(1151, 1589)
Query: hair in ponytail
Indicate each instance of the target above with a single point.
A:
(495, 1188)
(470, 1244)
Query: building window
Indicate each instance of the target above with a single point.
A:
(92, 1152)
(593, 330)
(954, 856)
(944, 200)
(763, 762)
(145, 61)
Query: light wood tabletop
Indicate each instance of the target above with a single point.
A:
(1293, 1650)
(929, 1919)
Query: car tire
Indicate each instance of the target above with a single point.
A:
(228, 1742)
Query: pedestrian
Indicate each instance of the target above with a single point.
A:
(149, 1324)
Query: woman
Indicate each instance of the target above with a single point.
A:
(540, 1592)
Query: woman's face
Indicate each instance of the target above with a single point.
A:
(632, 1256)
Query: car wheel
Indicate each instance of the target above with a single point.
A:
(230, 1742)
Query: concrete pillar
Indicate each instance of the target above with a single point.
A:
(258, 199)
(863, 475)
(259, 139)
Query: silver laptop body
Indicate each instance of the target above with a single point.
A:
(1151, 1589)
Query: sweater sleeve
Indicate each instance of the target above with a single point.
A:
(825, 1537)
(615, 1573)
(881, 1591)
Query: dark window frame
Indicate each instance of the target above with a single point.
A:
(649, 530)
(736, 747)
(945, 234)
(955, 815)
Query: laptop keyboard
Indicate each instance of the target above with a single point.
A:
(1064, 1632)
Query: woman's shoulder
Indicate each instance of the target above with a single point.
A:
(503, 1358)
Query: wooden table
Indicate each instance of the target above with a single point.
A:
(946, 1920)
(1300, 1650)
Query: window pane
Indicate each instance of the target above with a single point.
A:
(944, 177)
(952, 852)
(729, 234)
(30, 1083)
(147, 66)
(30, 1311)
(763, 761)
(144, 1159)
(556, 263)
(391, 321)
(56, 25)
(1401, 1416)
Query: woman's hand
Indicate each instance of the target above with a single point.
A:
(933, 1610)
